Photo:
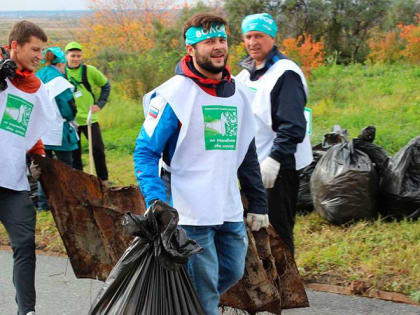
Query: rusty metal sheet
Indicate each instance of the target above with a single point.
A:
(293, 293)
(88, 216)
(258, 290)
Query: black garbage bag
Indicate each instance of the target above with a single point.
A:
(400, 183)
(344, 185)
(337, 135)
(304, 200)
(151, 276)
(377, 155)
(367, 134)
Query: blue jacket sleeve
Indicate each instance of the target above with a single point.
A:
(249, 175)
(155, 133)
(288, 101)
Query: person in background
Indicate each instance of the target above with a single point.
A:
(26, 112)
(279, 95)
(200, 122)
(62, 139)
(86, 79)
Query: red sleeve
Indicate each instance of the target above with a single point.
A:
(38, 148)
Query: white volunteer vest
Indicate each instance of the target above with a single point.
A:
(55, 87)
(24, 119)
(262, 110)
(215, 136)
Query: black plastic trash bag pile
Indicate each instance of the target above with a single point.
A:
(400, 183)
(344, 184)
(151, 276)
(353, 180)
(304, 199)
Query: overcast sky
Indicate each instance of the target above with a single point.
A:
(34, 5)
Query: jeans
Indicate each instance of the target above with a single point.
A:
(18, 216)
(63, 156)
(221, 264)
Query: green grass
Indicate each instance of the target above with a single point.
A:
(386, 96)
(386, 255)
(120, 121)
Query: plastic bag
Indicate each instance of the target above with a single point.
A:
(304, 199)
(344, 185)
(400, 183)
(151, 276)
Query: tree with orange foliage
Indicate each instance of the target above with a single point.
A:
(400, 44)
(304, 51)
(411, 35)
(126, 25)
(385, 48)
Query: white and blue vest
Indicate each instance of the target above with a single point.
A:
(214, 138)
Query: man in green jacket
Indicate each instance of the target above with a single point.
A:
(86, 79)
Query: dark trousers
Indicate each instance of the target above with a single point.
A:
(63, 156)
(17, 214)
(282, 199)
(98, 151)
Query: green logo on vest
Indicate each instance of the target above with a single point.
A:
(16, 115)
(220, 127)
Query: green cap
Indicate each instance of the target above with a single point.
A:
(72, 46)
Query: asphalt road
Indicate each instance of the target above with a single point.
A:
(60, 293)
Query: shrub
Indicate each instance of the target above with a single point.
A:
(401, 44)
(411, 36)
(236, 53)
(385, 48)
(304, 51)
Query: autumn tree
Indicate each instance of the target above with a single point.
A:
(345, 26)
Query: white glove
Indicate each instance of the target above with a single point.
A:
(35, 170)
(257, 221)
(269, 170)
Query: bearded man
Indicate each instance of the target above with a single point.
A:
(201, 124)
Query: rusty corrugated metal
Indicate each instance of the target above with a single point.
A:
(88, 216)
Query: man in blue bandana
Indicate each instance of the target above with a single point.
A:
(201, 124)
(279, 97)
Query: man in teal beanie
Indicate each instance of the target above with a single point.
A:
(279, 97)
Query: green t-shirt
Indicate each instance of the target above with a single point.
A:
(82, 96)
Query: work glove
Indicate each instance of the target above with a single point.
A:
(35, 170)
(257, 221)
(269, 170)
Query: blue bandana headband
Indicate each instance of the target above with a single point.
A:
(59, 56)
(261, 22)
(196, 34)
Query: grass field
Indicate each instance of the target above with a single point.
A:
(385, 255)
(59, 30)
